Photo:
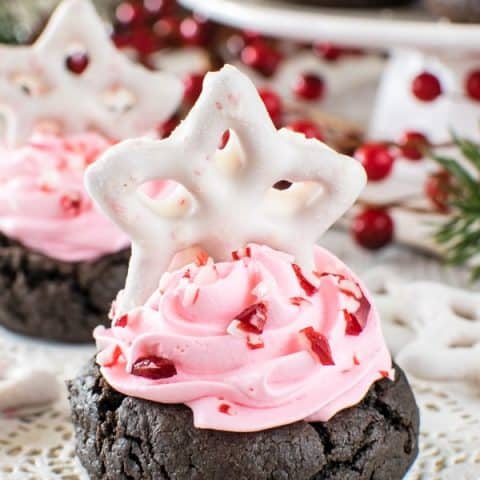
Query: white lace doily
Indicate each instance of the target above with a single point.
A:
(39, 445)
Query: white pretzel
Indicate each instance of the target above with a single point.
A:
(438, 325)
(84, 101)
(227, 190)
(21, 387)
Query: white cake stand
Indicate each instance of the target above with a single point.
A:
(398, 27)
(418, 42)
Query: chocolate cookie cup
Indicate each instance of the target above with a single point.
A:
(47, 298)
(120, 437)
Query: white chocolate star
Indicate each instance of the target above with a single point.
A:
(230, 201)
(113, 95)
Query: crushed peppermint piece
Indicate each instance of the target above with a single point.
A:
(307, 286)
(319, 345)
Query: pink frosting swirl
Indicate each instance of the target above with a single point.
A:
(250, 344)
(43, 203)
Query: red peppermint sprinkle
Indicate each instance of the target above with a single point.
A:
(254, 341)
(115, 356)
(195, 298)
(122, 321)
(353, 326)
(224, 140)
(319, 345)
(308, 287)
(253, 318)
(187, 273)
(71, 204)
(224, 408)
(384, 373)
(298, 301)
(201, 259)
(356, 361)
(244, 252)
(154, 368)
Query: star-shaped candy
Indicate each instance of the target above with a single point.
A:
(74, 76)
(226, 199)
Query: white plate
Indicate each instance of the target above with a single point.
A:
(397, 27)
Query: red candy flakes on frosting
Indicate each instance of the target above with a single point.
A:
(121, 321)
(117, 352)
(154, 368)
(71, 204)
(297, 301)
(201, 259)
(249, 324)
(319, 345)
(253, 318)
(353, 326)
(224, 408)
(307, 286)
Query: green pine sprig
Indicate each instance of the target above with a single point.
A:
(460, 235)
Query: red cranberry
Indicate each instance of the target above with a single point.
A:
(308, 128)
(426, 87)
(77, 62)
(307, 286)
(472, 85)
(373, 228)
(235, 44)
(413, 144)
(143, 41)
(122, 39)
(309, 86)
(319, 345)
(261, 57)
(128, 14)
(376, 159)
(165, 129)
(273, 103)
(167, 29)
(328, 51)
(251, 36)
(192, 87)
(154, 368)
(158, 8)
(437, 188)
(195, 31)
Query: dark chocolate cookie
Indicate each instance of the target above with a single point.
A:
(47, 298)
(456, 10)
(125, 438)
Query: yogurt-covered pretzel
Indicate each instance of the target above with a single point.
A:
(227, 204)
(432, 329)
(24, 387)
(74, 76)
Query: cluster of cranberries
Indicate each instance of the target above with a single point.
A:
(373, 228)
(150, 25)
(426, 86)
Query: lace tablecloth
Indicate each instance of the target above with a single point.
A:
(40, 446)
